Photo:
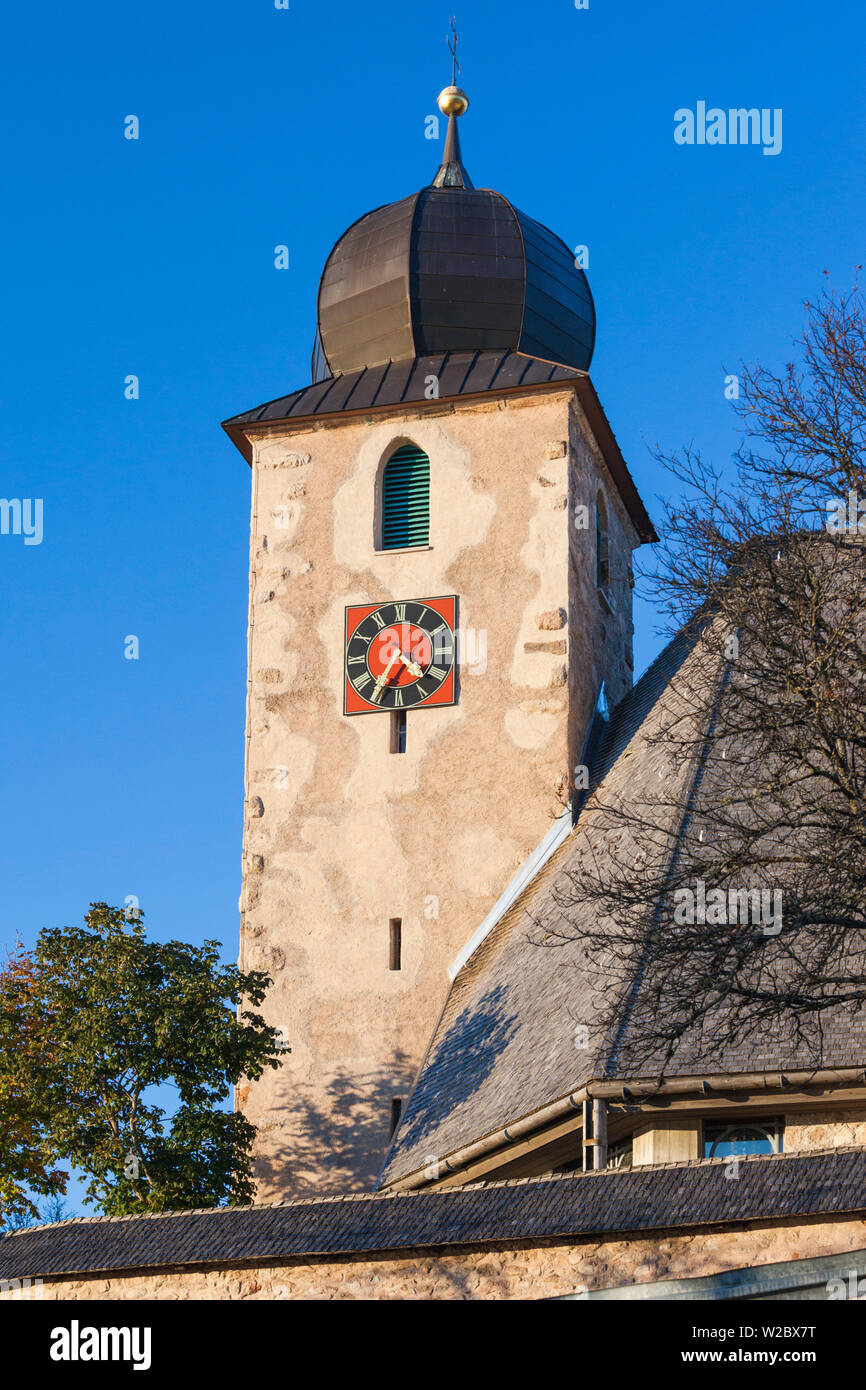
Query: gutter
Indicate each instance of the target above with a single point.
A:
(618, 1090)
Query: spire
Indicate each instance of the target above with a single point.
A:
(452, 102)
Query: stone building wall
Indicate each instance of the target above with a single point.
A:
(341, 835)
(600, 628)
(522, 1270)
(824, 1129)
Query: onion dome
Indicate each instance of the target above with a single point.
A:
(452, 268)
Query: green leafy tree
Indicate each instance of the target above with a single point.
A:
(121, 1016)
(25, 1159)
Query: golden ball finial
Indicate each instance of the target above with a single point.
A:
(452, 101)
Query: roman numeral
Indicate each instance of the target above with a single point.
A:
(420, 617)
(398, 699)
(357, 660)
(400, 610)
(376, 694)
(361, 682)
(443, 627)
(378, 620)
(436, 672)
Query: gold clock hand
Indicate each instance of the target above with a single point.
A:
(383, 679)
(411, 666)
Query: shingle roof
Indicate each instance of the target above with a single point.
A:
(504, 1047)
(459, 375)
(609, 1202)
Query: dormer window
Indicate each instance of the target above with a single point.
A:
(406, 499)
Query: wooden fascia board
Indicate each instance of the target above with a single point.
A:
(612, 455)
(720, 1102)
(475, 1172)
(716, 1104)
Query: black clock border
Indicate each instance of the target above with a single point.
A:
(389, 704)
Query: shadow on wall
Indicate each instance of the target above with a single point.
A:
(333, 1141)
(453, 1274)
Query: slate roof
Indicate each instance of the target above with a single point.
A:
(406, 381)
(504, 1047)
(459, 374)
(610, 1202)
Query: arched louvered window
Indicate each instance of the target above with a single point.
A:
(406, 499)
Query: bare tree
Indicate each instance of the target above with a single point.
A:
(722, 902)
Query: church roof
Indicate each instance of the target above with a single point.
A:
(406, 381)
(452, 283)
(459, 375)
(452, 268)
(612, 1201)
(504, 1048)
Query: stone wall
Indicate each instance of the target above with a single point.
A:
(825, 1129)
(522, 1270)
(341, 835)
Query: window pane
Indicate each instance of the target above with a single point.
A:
(739, 1140)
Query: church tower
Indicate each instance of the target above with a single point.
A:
(440, 585)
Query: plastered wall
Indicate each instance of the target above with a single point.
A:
(341, 835)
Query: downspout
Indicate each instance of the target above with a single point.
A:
(622, 1091)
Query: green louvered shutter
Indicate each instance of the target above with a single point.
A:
(406, 499)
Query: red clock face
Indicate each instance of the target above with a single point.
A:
(400, 655)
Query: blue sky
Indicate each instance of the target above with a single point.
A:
(155, 257)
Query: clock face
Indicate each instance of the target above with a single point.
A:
(400, 655)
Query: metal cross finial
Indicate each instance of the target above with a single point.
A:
(452, 48)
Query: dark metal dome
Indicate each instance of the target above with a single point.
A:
(452, 268)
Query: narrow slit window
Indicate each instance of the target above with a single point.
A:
(396, 1112)
(395, 946)
(406, 499)
(398, 731)
(602, 549)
